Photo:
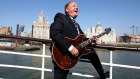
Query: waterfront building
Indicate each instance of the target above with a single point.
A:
(6, 30)
(108, 39)
(41, 28)
(136, 39)
(129, 39)
(21, 29)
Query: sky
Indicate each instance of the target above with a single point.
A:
(117, 14)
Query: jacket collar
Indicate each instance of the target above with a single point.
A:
(71, 22)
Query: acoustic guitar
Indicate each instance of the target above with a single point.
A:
(68, 61)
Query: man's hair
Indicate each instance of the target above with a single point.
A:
(66, 6)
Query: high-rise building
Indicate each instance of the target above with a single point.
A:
(41, 28)
(20, 30)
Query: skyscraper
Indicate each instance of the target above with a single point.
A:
(21, 29)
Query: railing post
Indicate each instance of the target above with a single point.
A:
(43, 62)
(110, 76)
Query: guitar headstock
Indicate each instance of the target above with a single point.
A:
(107, 30)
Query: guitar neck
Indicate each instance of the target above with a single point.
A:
(87, 42)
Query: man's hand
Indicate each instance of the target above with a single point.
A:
(74, 51)
(95, 39)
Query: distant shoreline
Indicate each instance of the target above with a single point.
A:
(124, 44)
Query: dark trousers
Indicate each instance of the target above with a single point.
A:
(59, 73)
(94, 59)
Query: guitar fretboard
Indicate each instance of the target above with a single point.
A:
(87, 42)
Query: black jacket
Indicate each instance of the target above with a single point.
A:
(63, 27)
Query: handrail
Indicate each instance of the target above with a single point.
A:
(115, 47)
(111, 64)
(43, 69)
(25, 38)
(93, 45)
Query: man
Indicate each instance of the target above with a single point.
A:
(65, 26)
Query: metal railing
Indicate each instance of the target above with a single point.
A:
(43, 69)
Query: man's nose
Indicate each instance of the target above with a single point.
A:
(77, 8)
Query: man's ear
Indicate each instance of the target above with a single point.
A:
(67, 10)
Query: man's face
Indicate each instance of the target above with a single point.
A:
(72, 10)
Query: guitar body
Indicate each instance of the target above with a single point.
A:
(68, 61)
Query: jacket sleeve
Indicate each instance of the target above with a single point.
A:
(56, 33)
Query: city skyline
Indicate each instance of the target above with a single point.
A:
(117, 14)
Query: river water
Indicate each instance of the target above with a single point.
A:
(119, 57)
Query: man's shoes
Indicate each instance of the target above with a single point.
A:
(104, 76)
(96, 78)
(107, 74)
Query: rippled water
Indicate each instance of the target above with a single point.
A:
(119, 57)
